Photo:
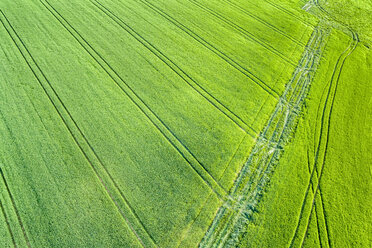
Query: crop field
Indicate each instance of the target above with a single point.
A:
(195, 123)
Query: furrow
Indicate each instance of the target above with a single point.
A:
(277, 79)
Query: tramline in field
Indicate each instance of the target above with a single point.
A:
(172, 123)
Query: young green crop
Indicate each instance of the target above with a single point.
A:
(125, 123)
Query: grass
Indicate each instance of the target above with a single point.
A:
(130, 124)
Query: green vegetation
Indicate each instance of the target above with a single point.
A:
(340, 212)
(211, 123)
(355, 14)
(320, 193)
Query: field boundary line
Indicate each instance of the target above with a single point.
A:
(175, 68)
(41, 77)
(243, 31)
(273, 27)
(305, 72)
(213, 49)
(234, 215)
(189, 157)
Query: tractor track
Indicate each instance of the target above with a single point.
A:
(181, 73)
(317, 188)
(332, 84)
(213, 49)
(277, 6)
(324, 217)
(278, 108)
(248, 188)
(276, 81)
(243, 31)
(267, 24)
(14, 205)
(166, 132)
(324, 122)
(7, 221)
(315, 208)
(65, 121)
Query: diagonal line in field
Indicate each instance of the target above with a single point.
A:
(7, 224)
(37, 71)
(20, 222)
(182, 74)
(324, 15)
(337, 71)
(273, 93)
(243, 31)
(7, 221)
(186, 154)
(278, 7)
(271, 26)
(256, 173)
(316, 210)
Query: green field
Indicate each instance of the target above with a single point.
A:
(196, 123)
